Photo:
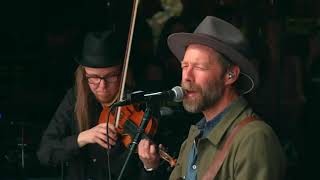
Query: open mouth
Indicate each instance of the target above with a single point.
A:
(189, 93)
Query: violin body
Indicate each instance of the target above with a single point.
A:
(129, 121)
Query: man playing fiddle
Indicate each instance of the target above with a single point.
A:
(74, 136)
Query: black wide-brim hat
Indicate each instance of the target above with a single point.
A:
(100, 50)
(227, 40)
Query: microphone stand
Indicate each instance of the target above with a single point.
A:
(137, 137)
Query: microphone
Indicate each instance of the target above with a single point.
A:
(175, 94)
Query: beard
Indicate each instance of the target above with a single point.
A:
(205, 97)
(105, 97)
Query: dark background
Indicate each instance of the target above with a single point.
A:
(38, 40)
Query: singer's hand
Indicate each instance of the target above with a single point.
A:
(98, 134)
(148, 154)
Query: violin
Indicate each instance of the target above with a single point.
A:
(130, 119)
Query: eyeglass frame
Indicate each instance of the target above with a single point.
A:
(104, 78)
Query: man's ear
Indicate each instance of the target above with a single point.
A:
(232, 75)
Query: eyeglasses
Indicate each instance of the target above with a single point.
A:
(96, 79)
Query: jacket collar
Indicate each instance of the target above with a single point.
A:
(230, 116)
(216, 135)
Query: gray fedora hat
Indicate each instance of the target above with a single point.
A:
(101, 49)
(227, 40)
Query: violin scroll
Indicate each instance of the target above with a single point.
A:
(164, 155)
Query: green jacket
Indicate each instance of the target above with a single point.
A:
(255, 153)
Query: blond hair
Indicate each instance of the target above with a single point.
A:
(82, 99)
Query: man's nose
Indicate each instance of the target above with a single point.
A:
(103, 83)
(188, 74)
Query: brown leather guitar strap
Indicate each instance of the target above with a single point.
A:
(222, 153)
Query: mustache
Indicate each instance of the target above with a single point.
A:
(188, 86)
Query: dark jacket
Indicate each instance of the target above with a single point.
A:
(59, 145)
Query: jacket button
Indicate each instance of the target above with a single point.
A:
(94, 160)
(194, 167)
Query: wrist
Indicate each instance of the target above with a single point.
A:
(81, 140)
(149, 169)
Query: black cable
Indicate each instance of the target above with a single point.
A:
(108, 150)
(136, 139)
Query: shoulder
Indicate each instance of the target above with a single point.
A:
(257, 145)
(71, 94)
(257, 136)
(68, 101)
(258, 128)
(69, 97)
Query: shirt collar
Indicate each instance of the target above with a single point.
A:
(208, 125)
(230, 116)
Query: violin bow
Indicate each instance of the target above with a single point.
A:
(127, 56)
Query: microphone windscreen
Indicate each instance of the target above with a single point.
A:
(178, 91)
